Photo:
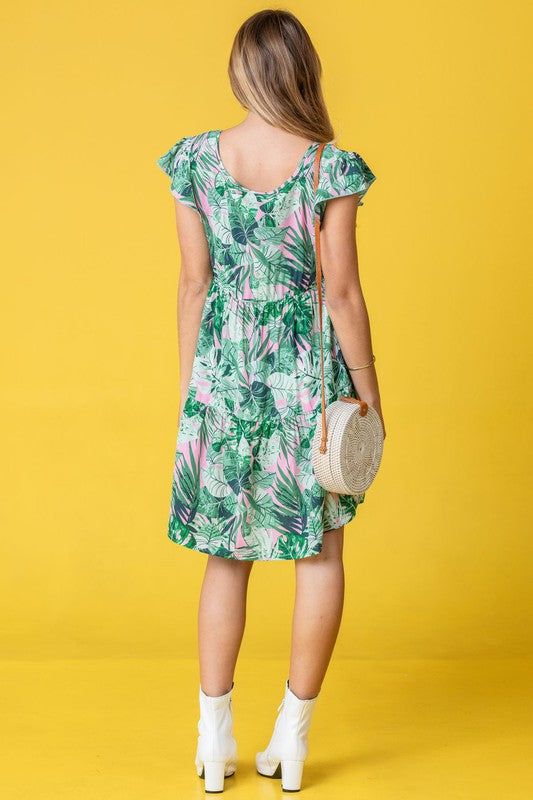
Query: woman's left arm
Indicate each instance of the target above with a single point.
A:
(344, 296)
(196, 274)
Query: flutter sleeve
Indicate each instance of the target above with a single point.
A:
(176, 163)
(342, 172)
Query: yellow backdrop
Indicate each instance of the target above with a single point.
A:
(438, 559)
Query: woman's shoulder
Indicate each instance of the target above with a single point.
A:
(185, 162)
(337, 155)
(190, 144)
(343, 172)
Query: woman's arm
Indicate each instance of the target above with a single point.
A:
(344, 296)
(195, 276)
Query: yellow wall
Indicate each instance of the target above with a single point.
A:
(434, 96)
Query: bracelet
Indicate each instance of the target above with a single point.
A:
(353, 369)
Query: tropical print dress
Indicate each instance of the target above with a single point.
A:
(243, 485)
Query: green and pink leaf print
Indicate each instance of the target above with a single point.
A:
(243, 485)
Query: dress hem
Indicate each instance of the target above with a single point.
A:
(344, 518)
(178, 533)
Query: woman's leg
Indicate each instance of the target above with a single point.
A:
(317, 615)
(221, 621)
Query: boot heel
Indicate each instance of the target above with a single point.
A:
(214, 776)
(291, 775)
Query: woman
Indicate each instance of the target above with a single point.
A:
(243, 486)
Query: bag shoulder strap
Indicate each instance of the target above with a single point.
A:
(319, 287)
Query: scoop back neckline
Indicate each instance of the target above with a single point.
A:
(243, 188)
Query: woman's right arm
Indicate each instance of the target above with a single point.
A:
(344, 296)
(195, 276)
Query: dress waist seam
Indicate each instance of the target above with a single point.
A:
(291, 292)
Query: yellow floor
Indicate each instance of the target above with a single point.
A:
(106, 729)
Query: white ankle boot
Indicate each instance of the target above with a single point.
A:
(288, 747)
(216, 753)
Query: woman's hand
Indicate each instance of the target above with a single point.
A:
(376, 404)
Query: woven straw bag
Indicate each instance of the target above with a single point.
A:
(346, 448)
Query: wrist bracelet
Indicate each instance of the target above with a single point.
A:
(369, 364)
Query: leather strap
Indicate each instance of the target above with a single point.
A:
(322, 447)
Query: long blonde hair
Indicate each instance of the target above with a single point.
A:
(275, 71)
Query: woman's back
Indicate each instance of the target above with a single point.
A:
(261, 243)
(260, 157)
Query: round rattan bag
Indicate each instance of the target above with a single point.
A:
(354, 446)
(347, 447)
